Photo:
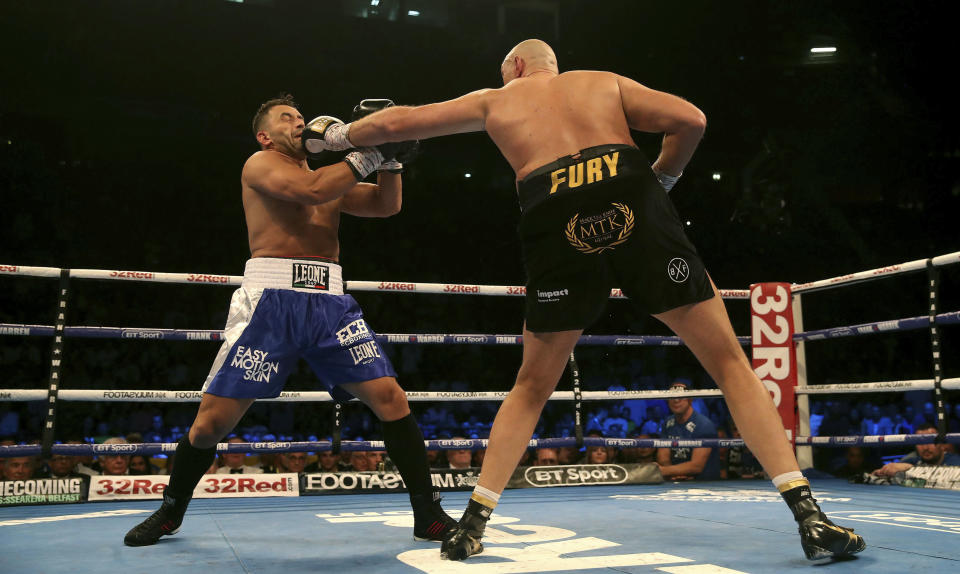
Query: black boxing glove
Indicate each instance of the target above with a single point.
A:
(395, 154)
(325, 133)
(367, 107)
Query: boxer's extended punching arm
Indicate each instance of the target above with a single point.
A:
(681, 122)
(401, 123)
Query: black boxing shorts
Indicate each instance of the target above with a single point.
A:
(598, 220)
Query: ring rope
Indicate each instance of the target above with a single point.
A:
(400, 338)
(451, 288)
(892, 326)
(472, 444)
(104, 395)
(134, 396)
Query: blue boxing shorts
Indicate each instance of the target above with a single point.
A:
(287, 309)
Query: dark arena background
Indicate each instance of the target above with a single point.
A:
(832, 148)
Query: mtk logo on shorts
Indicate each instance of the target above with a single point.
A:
(599, 232)
(311, 276)
(254, 363)
(353, 332)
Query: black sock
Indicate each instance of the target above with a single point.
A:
(404, 443)
(189, 464)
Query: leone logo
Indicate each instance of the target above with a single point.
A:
(597, 233)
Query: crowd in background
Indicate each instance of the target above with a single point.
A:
(635, 418)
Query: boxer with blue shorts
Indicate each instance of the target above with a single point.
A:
(291, 306)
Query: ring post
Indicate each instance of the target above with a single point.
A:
(335, 437)
(56, 357)
(933, 282)
(804, 453)
(577, 399)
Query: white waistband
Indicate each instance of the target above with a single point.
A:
(305, 275)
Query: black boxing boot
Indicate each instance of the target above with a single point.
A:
(430, 522)
(465, 540)
(164, 522)
(189, 464)
(819, 537)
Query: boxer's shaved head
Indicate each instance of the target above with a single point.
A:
(526, 58)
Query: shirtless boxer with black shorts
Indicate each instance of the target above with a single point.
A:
(291, 305)
(595, 214)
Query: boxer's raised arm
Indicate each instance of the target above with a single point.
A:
(399, 123)
(381, 200)
(681, 122)
(273, 174)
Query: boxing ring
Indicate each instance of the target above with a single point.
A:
(718, 527)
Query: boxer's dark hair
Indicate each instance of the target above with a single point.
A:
(281, 100)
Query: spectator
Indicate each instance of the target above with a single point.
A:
(855, 463)
(652, 424)
(477, 460)
(18, 467)
(236, 462)
(638, 454)
(686, 463)
(597, 455)
(140, 465)
(459, 458)
(359, 461)
(876, 423)
(836, 422)
(567, 455)
(616, 424)
(326, 461)
(114, 464)
(738, 461)
(61, 466)
(294, 462)
(547, 457)
(925, 455)
(376, 459)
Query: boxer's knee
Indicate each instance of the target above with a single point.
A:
(385, 398)
(207, 431)
(534, 386)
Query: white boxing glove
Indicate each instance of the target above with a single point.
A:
(325, 133)
(364, 161)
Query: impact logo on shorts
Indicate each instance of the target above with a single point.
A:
(597, 233)
(365, 353)
(311, 276)
(551, 296)
(254, 363)
(353, 332)
(678, 270)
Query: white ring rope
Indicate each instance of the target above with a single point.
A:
(452, 288)
(140, 396)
